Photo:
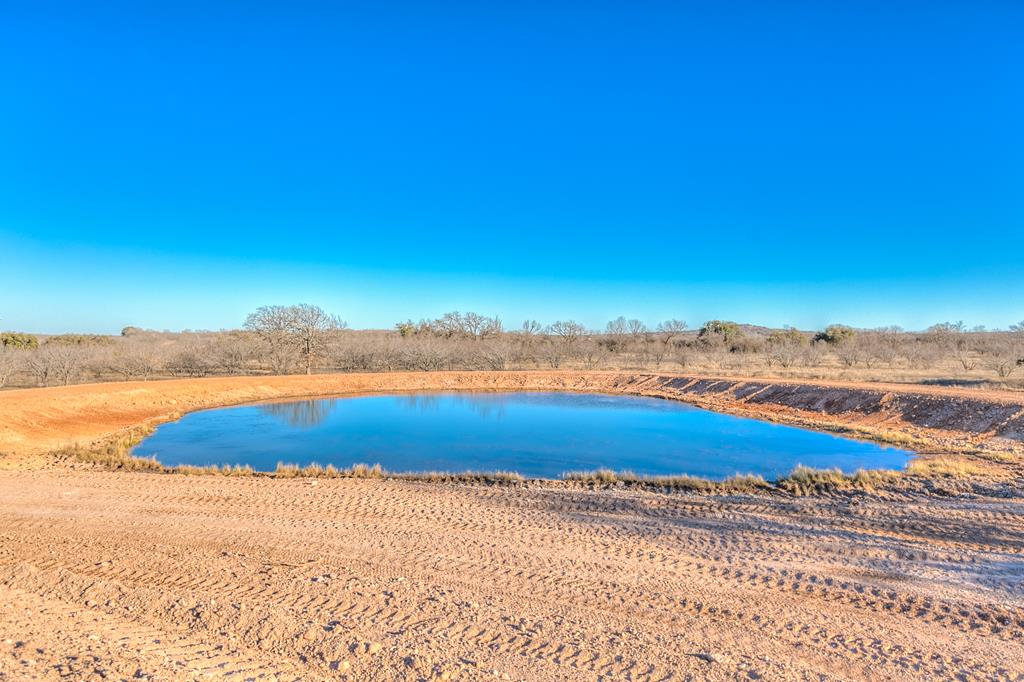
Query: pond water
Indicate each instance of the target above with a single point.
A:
(539, 435)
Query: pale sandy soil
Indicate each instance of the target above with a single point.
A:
(117, 575)
(128, 575)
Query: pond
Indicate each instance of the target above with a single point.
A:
(539, 435)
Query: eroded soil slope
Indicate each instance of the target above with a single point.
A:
(152, 576)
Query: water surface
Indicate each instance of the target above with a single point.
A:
(537, 434)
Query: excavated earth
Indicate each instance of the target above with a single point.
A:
(129, 575)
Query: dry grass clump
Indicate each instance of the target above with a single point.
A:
(607, 477)
(507, 477)
(112, 456)
(950, 467)
(873, 478)
(886, 436)
(115, 453)
(597, 476)
(315, 470)
(118, 461)
(377, 471)
(213, 470)
(805, 480)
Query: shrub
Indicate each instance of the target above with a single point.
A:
(720, 331)
(18, 340)
(836, 334)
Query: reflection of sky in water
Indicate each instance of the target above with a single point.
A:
(537, 434)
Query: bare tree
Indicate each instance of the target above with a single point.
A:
(59, 361)
(10, 362)
(193, 360)
(311, 326)
(636, 329)
(568, 331)
(133, 360)
(530, 328)
(616, 331)
(552, 352)
(232, 352)
(495, 354)
(669, 331)
(683, 354)
(785, 347)
(1003, 355)
(301, 328)
(592, 353)
(40, 363)
(449, 324)
(272, 324)
(426, 354)
(473, 324)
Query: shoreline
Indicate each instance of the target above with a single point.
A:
(99, 424)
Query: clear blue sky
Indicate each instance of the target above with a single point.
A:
(770, 162)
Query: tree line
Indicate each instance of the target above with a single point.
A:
(304, 338)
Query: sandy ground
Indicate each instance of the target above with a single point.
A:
(135, 576)
(117, 575)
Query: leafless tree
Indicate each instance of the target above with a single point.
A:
(58, 361)
(301, 328)
(637, 329)
(311, 326)
(425, 354)
(683, 354)
(473, 324)
(592, 354)
(569, 331)
(1003, 355)
(530, 328)
(616, 330)
(193, 360)
(669, 332)
(40, 363)
(450, 324)
(132, 360)
(850, 351)
(11, 360)
(495, 354)
(671, 329)
(552, 352)
(233, 351)
(272, 324)
(786, 347)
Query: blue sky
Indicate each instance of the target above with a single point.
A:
(775, 163)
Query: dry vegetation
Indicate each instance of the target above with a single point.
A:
(304, 338)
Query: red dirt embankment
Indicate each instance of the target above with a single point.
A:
(37, 421)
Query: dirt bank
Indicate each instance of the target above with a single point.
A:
(37, 421)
